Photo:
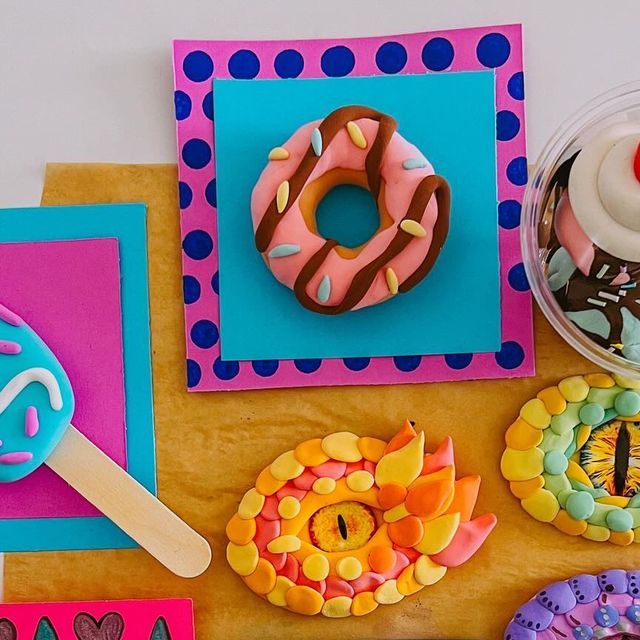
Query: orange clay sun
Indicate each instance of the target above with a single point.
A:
(343, 524)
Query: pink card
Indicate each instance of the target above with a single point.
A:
(108, 620)
(198, 63)
(69, 292)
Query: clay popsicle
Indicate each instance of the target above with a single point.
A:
(36, 409)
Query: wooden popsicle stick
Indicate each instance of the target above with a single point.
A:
(129, 505)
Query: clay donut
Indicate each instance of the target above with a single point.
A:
(352, 145)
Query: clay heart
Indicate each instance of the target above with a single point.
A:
(7, 630)
(109, 627)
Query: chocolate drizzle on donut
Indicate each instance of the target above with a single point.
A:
(430, 186)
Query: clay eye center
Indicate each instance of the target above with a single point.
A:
(611, 458)
(342, 527)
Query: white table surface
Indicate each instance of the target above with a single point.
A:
(91, 81)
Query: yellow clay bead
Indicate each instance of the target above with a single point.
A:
(349, 568)
(278, 153)
(522, 436)
(414, 228)
(324, 486)
(250, 505)
(554, 401)
(427, 572)
(363, 603)
(392, 281)
(521, 465)
(525, 488)
(576, 472)
(402, 466)
(342, 446)
(277, 594)
(282, 196)
(304, 600)
(574, 389)
(406, 583)
(310, 453)
(621, 538)
(535, 413)
(627, 383)
(596, 533)
(316, 567)
(338, 607)
(243, 558)
(263, 579)
(289, 507)
(284, 544)
(599, 380)
(438, 534)
(356, 135)
(542, 505)
(266, 484)
(395, 514)
(241, 531)
(387, 593)
(286, 467)
(565, 523)
(360, 481)
(372, 449)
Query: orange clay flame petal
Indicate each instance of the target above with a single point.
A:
(404, 436)
(465, 496)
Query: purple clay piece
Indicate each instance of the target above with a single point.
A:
(533, 615)
(614, 581)
(516, 632)
(633, 589)
(585, 588)
(557, 598)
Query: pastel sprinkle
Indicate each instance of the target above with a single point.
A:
(631, 285)
(284, 250)
(356, 135)
(414, 163)
(9, 317)
(282, 196)
(324, 289)
(278, 153)
(414, 228)
(622, 292)
(9, 348)
(31, 422)
(608, 296)
(17, 457)
(392, 280)
(316, 142)
(598, 303)
(603, 271)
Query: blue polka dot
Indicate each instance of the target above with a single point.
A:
(265, 368)
(194, 374)
(190, 289)
(215, 283)
(493, 50)
(207, 105)
(518, 278)
(437, 54)
(196, 153)
(509, 214)
(407, 363)
(307, 365)
(356, 364)
(185, 194)
(244, 65)
(198, 66)
(197, 244)
(204, 334)
(210, 193)
(226, 369)
(510, 355)
(289, 63)
(337, 61)
(391, 57)
(458, 360)
(515, 86)
(507, 125)
(517, 171)
(182, 103)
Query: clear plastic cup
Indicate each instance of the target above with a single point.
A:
(620, 105)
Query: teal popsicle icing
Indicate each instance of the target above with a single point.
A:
(36, 399)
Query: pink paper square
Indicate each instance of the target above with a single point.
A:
(69, 292)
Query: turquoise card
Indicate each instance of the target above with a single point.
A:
(456, 309)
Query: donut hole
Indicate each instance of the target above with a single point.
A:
(339, 206)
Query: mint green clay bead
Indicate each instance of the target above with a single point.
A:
(627, 403)
(580, 505)
(555, 463)
(592, 413)
(619, 520)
